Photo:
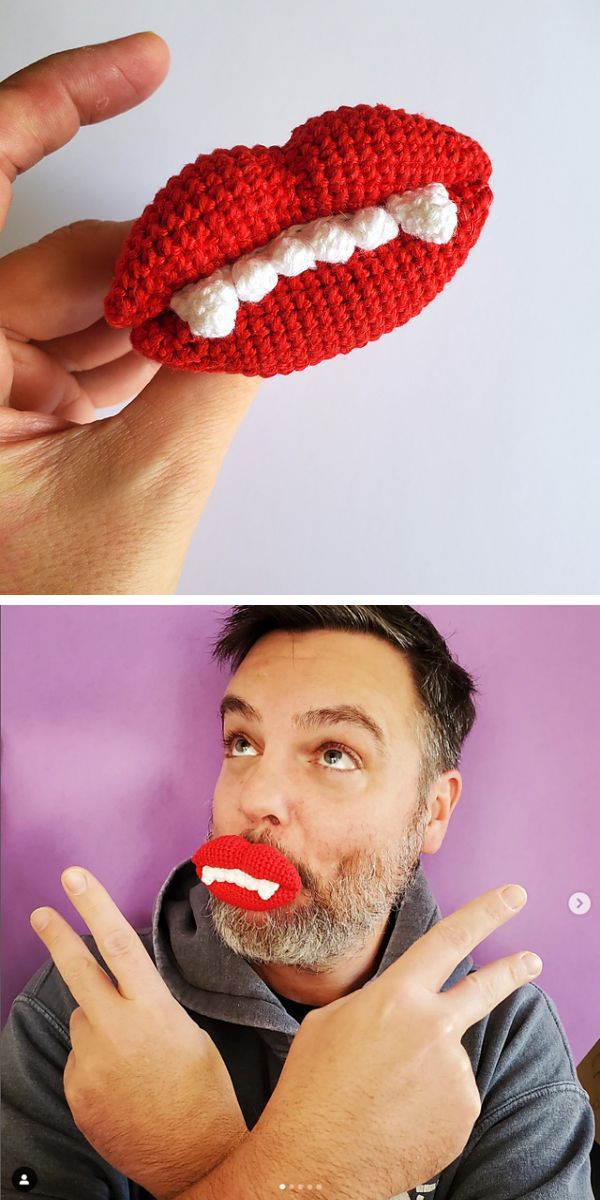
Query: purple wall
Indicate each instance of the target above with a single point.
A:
(111, 748)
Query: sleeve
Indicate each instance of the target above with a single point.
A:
(533, 1138)
(536, 1148)
(38, 1130)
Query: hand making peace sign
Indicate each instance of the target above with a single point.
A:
(146, 1085)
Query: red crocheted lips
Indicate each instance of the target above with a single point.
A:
(352, 227)
(245, 874)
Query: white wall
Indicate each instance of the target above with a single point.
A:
(459, 453)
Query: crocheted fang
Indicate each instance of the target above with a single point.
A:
(245, 874)
(266, 260)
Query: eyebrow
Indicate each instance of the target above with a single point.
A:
(351, 714)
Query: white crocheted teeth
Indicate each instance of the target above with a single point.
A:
(209, 306)
(265, 887)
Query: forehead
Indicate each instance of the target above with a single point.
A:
(325, 666)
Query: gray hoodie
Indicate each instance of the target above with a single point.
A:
(532, 1139)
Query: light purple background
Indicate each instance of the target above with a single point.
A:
(111, 750)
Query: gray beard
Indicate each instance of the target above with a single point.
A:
(341, 916)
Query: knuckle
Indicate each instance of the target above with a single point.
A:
(464, 1066)
(73, 1089)
(470, 1099)
(78, 1104)
(117, 942)
(494, 909)
(73, 229)
(474, 1099)
(312, 1016)
(79, 968)
(445, 1028)
(484, 984)
(517, 971)
(75, 1018)
(456, 936)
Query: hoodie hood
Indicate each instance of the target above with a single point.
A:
(207, 977)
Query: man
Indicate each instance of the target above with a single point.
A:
(342, 729)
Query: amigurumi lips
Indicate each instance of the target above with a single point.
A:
(264, 260)
(246, 874)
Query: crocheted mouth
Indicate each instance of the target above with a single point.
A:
(245, 874)
(264, 260)
(210, 305)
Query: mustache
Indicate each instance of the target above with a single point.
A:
(307, 877)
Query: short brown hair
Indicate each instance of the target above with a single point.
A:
(445, 690)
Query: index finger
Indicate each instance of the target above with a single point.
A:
(43, 105)
(434, 957)
(117, 941)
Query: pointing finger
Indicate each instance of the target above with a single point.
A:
(56, 286)
(117, 940)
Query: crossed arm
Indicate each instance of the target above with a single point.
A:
(150, 1092)
(145, 1084)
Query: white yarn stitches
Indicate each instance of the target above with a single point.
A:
(209, 306)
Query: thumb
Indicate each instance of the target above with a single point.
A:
(174, 436)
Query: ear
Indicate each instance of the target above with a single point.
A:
(444, 795)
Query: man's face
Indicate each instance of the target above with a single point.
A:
(339, 799)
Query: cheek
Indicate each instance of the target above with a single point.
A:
(337, 847)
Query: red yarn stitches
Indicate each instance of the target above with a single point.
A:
(231, 202)
(258, 860)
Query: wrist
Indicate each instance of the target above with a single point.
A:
(180, 1178)
(261, 1162)
(239, 1174)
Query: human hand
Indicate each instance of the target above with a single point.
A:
(377, 1093)
(92, 506)
(146, 1086)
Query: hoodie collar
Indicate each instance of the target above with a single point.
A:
(208, 978)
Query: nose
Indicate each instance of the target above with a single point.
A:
(268, 793)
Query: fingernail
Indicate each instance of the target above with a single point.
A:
(533, 962)
(514, 896)
(75, 881)
(40, 918)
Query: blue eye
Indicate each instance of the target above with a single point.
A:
(232, 740)
(333, 748)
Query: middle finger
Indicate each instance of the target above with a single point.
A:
(87, 982)
(91, 347)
